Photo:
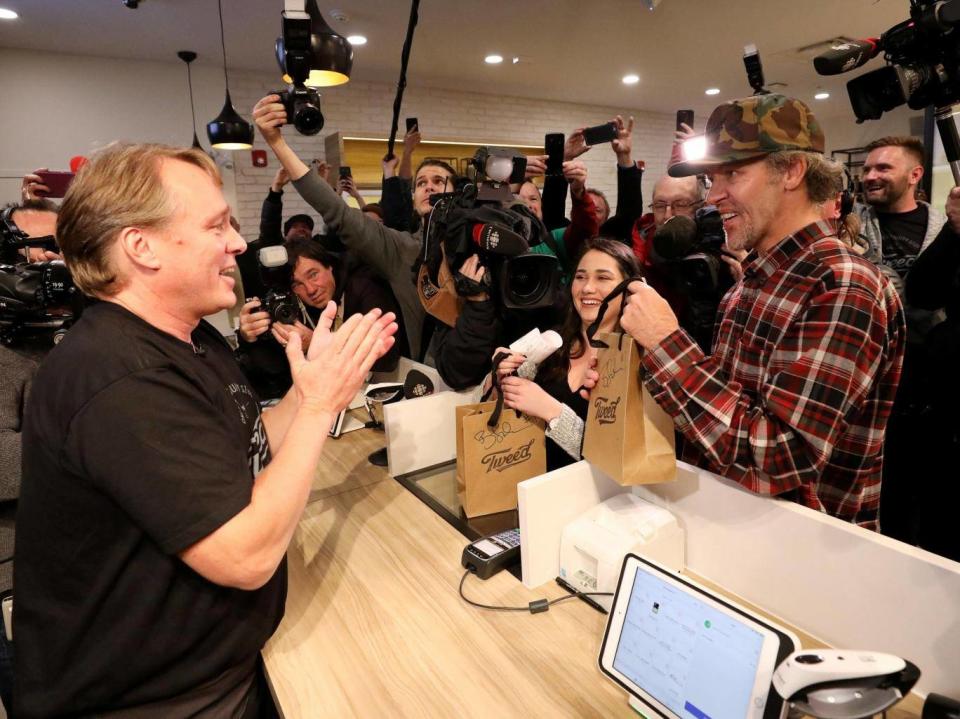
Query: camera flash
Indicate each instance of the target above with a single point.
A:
(695, 148)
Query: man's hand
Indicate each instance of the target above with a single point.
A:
(575, 172)
(953, 210)
(347, 185)
(284, 333)
(530, 398)
(279, 180)
(38, 254)
(734, 260)
(472, 269)
(32, 187)
(536, 165)
(269, 116)
(336, 365)
(684, 133)
(623, 144)
(252, 324)
(575, 145)
(411, 141)
(389, 165)
(647, 316)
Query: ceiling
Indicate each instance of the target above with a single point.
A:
(569, 50)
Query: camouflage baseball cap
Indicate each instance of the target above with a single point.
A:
(754, 126)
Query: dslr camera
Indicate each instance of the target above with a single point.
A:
(38, 295)
(277, 301)
(302, 104)
(293, 51)
(481, 218)
(923, 62)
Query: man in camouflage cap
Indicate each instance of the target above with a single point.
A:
(793, 401)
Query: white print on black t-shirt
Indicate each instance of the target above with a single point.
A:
(244, 399)
(258, 453)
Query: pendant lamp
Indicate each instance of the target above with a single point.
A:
(228, 131)
(189, 56)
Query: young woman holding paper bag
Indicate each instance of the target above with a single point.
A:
(554, 390)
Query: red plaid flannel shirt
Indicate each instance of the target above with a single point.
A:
(795, 398)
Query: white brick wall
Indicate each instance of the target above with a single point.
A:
(445, 114)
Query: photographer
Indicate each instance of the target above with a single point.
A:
(396, 256)
(795, 397)
(567, 242)
(316, 276)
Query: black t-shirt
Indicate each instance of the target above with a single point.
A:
(902, 234)
(136, 446)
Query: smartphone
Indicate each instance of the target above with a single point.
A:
(684, 117)
(607, 132)
(412, 122)
(553, 147)
(58, 182)
(345, 172)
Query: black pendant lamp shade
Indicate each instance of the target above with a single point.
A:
(331, 56)
(189, 56)
(228, 131)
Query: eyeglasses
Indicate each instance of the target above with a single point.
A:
(677, 205)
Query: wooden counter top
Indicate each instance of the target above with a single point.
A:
(374, 624)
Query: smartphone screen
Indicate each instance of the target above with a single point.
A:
(345, 172)
(684, 117)
(553, 147)
(412, 122)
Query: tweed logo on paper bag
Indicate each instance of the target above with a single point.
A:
(606, 409)
(505, 458)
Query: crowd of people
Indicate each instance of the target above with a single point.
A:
(804, 345)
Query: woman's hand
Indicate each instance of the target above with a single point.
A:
(510, 363)
(284, 333)
(530, 398)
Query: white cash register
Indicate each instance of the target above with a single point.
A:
(593, 545)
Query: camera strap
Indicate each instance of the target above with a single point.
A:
(618, 291)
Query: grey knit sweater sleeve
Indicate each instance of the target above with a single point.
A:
(17, 373)
(568, 434)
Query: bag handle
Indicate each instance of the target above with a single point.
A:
(618, 291)
(495, 384)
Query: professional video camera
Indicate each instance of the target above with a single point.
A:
(923, 62)
(693, 247)
(482, 218)
(293, 51)
(277, 301)
(689, 252)
(39, 295)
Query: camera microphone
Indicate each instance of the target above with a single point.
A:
(847, 55)
(675, 238)
(499, 240)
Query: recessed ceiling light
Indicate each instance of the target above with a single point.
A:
(7, 14)
(821, 96)
(631, 79)
(357, 40)
(493, 59)
(712, 91)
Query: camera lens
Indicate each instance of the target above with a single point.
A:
(307, 118)
(524, 284)
(285, 313)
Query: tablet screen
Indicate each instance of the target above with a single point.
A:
(683, 651)
(692, 658)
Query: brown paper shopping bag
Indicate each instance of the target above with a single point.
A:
(493, 458)
(627, 435)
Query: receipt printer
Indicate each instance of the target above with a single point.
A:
(594, 544)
